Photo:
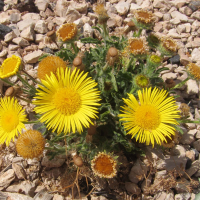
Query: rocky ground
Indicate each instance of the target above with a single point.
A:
(163, 174)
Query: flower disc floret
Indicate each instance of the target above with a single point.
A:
(67, 32)
(142, 81)
(138, 46)
(150, 119)
(10, 66)
(169, 44)
(30, 144)
(50, 64)
(194, 70)
(104, 166)
(12, 117)
(67, 101)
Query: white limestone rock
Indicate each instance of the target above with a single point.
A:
(122, 7)
(15, 17)
(3, 53)
(192, 87)
(59, 20)
(28, 33)
(41, 4)
(72, 15)
(6, 178)
(196, 15)
(33, 57)
(26, 23)
(180, 16)
(21, 41)
(87, 30)
(9, 36)
(41, 26)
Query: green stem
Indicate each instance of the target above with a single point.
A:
(139, 32)
(33, 79)
(25, 82)
(6, 81)
(75, 48)
(105, 32)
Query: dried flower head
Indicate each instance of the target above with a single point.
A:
(104, 166)
(10, 66)
(185, 110)
(194, 70)
(143, 18)
(138, 46)
(142, 81)
(12, 116)
(170, 142)
(30, 144)
(67, 32)
(102, 14)
(168, 46)
(50, 64)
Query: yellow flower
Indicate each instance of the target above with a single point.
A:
(142, 81)
(12, 117)
(138, 46)
(10, 66)
(104, 166)
(194, 70)
(151, 118)
(67, 32)
(67, 101)
(49, 64)
(30, 144)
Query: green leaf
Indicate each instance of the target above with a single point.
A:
(180, 84)
(97, 28)
(90, 40)
(162, 69)
(197, 196)
(114, 83)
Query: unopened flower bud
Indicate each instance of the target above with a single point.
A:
(78, 161)
(9, 92)
(92, 129)
(112, 56)
(169, 83)
(77, 63)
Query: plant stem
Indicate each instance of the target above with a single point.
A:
(6, 81)
(105, 32)
(139, 32)
(74, 47)
(31, 122)
(25, 82)
(33, 79)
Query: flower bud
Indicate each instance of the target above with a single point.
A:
(77, 63)
(9, 91)
(112, 56)
(92, 129)
(78, 161)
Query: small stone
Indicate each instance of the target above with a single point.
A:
(16, 196)
(39, 38)
(21, 41)
(41, 4)
(26, 23)
(43, 194)
(195, 55)
(196, 145)
(194, 5)
(134, 7)
(59, 20)
(196, 15)
(193, 169)
(3, 53)
(164, 195)
(87, 30)
(72, 15)
(192, 87)
(174, 60)
(41, 27)
(132, 188)
(114, 21)
(182, 196)
(178, 150)
(122, 7)
(15, 17)
(6, 178)
(179, 3)
(186, 10)
(58, 197)
(169, 75)
(190, 154)
(180, 16)
(55, 162)
(33, 57)
(4, 30)
(19, 171)
(28, 33)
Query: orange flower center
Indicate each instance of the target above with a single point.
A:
(104, 165)
(136, 45)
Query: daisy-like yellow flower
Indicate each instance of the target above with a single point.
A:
(30, 144)
(67, 32)
(50, 64)
(67, 101)
(151, 118)
(104, 166)
(194, 70)
(138, 46)
(10, 66)
(12, 117)
(168, 46)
